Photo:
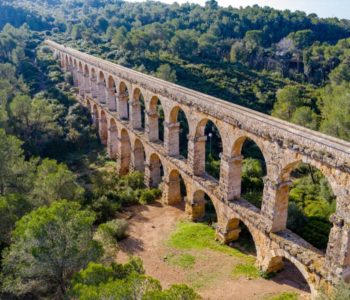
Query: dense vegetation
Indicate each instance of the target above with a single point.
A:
(53, 169)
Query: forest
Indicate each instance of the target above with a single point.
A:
(55, 177)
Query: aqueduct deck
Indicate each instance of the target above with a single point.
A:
(113, 93)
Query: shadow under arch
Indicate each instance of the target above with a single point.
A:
(139, 156)
(177, 132)
(156, 120)
(289, 271)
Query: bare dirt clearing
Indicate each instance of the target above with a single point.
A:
(208, 271)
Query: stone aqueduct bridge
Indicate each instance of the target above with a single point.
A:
(112, 93)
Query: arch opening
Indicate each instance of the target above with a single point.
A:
(311, 202)
(177, 191)
(156, 120)
(207, 149)
(123, 102)
(156, 171)
(139, 156)
(253, 170)
(102, 88)
(111, 94)
(137, 110)
(205, 209)
(288, 273)
(177, 132)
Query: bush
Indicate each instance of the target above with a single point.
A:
(135, 180)
(149, 196)
(115, 229)
(104, 209)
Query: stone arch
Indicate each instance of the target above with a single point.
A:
(137, 110)
(139, 156)
(229, 231)
(204, 159)
(274, 263)
(111, 94)
(102, 88)
(103, 128)
(176, 131)
(112, 139)
(125, 152)
(123, 101)
(155, 124)
(173, 192)
(282, 199)
(156, 170)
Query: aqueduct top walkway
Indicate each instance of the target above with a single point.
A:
(113, 94)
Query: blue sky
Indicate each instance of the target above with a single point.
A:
(323, 8)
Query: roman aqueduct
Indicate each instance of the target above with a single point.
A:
(112, 94)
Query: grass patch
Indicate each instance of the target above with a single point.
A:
(183, 260)
(247, 269)
(189, 235)
(284, 296)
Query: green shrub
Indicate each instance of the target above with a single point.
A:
(149, 196)
(115, 229)
(104, 209)
(128, 196)
(134, 180)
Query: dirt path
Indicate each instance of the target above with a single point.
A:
(211, 275)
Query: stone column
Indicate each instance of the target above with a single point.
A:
(94, 88)
(195, 209)
(196, 155)
(152, 130)
(338, 250)
(138, 159)
(81, 83)
(172, 191)
(148, 176)
(122, 106)
(102, 92)
(103, 131)
(87, 84)
(135, 114)
(111, 99)
(229, 232)
(275, 203)
(75, 77)
(172, 138)
(123, 156)
(230, 177)
(112, 144)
